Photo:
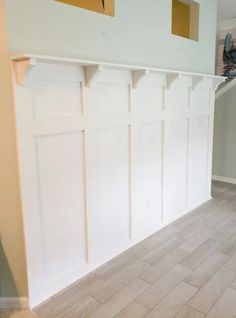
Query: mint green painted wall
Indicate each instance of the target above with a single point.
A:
(140, 33)
(224, 156)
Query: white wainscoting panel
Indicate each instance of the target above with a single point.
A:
(108, 154)
(198, 158)
(175, 167)
(146, 171)
(61, 191)
(108, 185)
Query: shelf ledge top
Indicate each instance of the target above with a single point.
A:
(86, 63)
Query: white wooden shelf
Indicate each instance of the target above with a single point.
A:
(22, 64)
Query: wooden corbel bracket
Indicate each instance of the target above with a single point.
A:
(91, 72)
(171, 79)
(137, 76)
(21, 67)
(216, 82)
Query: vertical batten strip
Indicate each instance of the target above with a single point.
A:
(162, 168)
(187, 148)
(81, 87)
(162, 152)
(130, 183)
(130, 165)
(85, 197)
(84, 150)
(210, 141)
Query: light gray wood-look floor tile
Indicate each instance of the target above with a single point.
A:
(229, 247)
(161, 237)
(162, 250)
(118, 302)
(134, 310)
(152, 296)
(118, 264)
(188, 312)
(224, 233)
(212, 291)
(190, 217)
(133, 254)
(231, 263)
(156, 272)
(174, 302)
(193, 260)
(197, 240)
(81, 309)
(226, 306)
(233, 285)
(206, 269)
(118, 281)
(192, 229)
(215, 218)
(69, 297)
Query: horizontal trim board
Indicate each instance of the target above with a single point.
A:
(14, 303)
(224, 179)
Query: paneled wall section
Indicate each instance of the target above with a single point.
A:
(103, 167)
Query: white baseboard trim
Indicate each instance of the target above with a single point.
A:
(14, 303)
(224, 179)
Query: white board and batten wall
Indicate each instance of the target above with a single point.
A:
(108, 155)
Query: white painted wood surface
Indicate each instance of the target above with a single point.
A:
(225, 88)
(108, 155)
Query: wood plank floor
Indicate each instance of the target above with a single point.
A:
(187, 270)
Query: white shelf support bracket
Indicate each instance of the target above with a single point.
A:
(171, 78)
(216, 82)
(196, 80)
(137, 76)
(21, 68)
(91, 72)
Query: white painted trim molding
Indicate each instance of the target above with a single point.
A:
(225, 88)
(224, 179)
(14, 303)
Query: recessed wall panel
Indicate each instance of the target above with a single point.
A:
(176, 98)
(107, 98)
(148, 98)
(146, 177)
(61, 194)
(108, 181)
(198, 158)
(53, 99)
(175, 167)
(200, 97)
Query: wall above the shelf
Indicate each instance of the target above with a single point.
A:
(140, 33)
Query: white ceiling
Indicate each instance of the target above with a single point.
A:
(226, 9)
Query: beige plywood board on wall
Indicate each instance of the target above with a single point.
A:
(102, 6)
(13, 280)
